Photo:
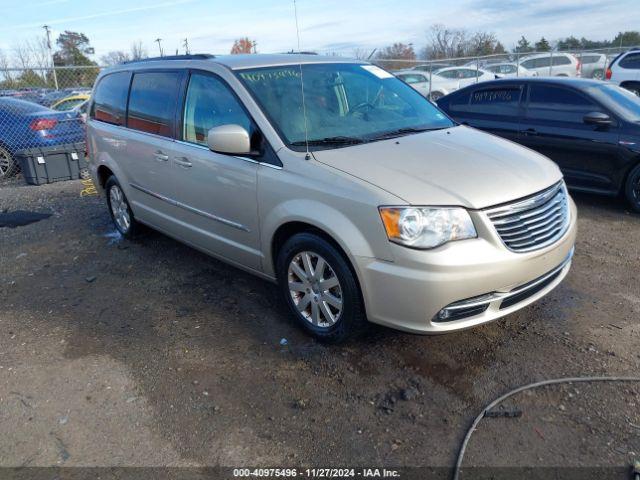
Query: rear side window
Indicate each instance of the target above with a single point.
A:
(110, 99)
(561, 60)
(458, 102)
(505, 69)
(586, 59)
(529, 64)
(630, 61)
(152, 102)
(547, 102)
(449, 74)
(209, 104)
(412, 78)
(489, 101)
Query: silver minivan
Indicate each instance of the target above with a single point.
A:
(336, 180)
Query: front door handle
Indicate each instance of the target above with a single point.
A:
(529, 131)
(161, 157)
(183, 162)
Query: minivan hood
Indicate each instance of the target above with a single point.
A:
(456, 166)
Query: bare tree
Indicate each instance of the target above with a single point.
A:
(5, 70)
(114, 58)
(361, 53)
(138, 52)
(21, 55)
(445, 42)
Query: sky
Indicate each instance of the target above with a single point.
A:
(325, 26)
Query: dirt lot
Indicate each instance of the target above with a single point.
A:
(149, 353)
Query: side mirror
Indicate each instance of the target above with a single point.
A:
(231, 138)
(597, 118)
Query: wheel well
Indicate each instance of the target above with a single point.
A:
(103, 174)
(287, 230)
(627, 174)
(630, 84)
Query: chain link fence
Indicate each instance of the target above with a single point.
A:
(42, 107)
(442, 76)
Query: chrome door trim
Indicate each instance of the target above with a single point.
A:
(191, 209)
(246, 159)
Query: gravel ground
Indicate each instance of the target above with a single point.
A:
(148, 353)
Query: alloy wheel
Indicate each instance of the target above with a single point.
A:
(315, 289)
(119, 208)
(6, 163)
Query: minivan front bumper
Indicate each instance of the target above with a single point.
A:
(473, 281)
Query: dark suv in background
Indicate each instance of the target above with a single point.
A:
(589, 128)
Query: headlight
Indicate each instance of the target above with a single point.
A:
(426, 227)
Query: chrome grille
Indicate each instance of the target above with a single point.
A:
(534, 222)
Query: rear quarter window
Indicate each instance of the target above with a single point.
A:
(110, 98)
(630, 61)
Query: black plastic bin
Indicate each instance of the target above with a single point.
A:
(52, 164)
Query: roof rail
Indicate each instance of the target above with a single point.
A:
(195, 56)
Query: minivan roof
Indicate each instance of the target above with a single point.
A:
(237, 62)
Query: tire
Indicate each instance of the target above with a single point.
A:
(598, 75)
(632, 87)
(632, 188)
(8, 164)
(119, 209)
(309, 297)
(435, 96)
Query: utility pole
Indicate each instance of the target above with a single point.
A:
(159, 41)
(254, 44)
(53, 65)
(186, 46)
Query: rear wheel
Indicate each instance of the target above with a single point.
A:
(319, 288)
(8, 165)
(632, 87)
(119, 209)
(632, 188)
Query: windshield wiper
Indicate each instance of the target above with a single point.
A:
(405, 131)
(340, 140)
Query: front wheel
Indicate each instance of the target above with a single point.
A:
(8, 165)
(119, 209)
(632, 188)
(319, 288)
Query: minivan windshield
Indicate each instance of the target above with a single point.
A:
(344, 104)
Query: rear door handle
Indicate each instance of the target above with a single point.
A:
(183, 162)
(529, 131)
(161, 157)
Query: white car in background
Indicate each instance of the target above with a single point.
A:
(419, 81)
(465, 75)
(625, 71)
(508, 70)
(552, 64)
